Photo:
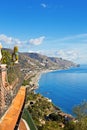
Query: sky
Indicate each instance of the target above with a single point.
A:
(50, 27)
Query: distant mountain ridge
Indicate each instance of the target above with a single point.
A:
(50, 62)
(38, 61)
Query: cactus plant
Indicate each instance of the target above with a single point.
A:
(15, 55)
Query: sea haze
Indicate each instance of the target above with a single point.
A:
(66, 88)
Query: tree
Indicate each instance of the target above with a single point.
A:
(55, 117)
(81, 110)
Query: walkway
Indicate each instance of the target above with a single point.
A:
(8, 122)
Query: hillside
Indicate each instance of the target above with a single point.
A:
(49, 62)
(38, 61)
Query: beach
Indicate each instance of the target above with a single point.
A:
(34, 80)
(35, 84)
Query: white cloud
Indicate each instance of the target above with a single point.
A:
(78, 36)
(72, 55)
(4, 38)
(43, 5)
(10, 41)
(37, 41)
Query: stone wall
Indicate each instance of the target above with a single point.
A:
(2, 89)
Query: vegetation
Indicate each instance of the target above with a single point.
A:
(15, 49)
(15, 54)
(47, 118)
(43, 112)
(29, 119)
(55, 117)
(25, 82)
(13, 71)
(50, 125)
(6, 57)
(80, 112)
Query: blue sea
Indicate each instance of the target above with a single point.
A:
(66, 88)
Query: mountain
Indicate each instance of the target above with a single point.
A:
(63, 63)
(50, 62)
(38, 61)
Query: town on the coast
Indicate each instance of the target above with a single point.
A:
(20, 107)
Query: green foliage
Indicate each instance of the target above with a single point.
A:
(50, 125)
(16, 57)
(6, 57)
(81, 110)
(32, 96)
(15, 54)
(40, 109)
(70, 126)
(25, 82)
(55, 117)
(13, 73)
(82, 124)
(15, 49)
(81, 113)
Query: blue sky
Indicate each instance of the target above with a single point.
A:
(51, 27)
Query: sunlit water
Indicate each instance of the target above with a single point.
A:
(66, 88)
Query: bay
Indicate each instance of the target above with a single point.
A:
(66, 88)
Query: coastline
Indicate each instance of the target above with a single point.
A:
(35, 82)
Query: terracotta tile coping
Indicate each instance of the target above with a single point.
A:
(9, 120)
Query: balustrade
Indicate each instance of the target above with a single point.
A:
(8, 91)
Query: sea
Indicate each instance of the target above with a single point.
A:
(66, 88)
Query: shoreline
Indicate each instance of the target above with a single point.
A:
(35, 82)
